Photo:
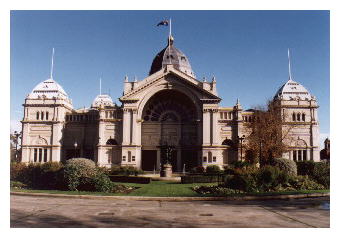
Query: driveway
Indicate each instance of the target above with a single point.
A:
(32, 211)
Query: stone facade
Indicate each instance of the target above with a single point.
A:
(170, 107)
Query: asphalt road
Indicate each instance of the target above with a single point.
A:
(29, 211)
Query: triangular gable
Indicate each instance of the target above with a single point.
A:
(154, 78)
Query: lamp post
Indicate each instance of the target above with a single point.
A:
(75, 149)
(17, 136)
(240, 139)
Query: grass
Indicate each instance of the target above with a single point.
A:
(164, 189)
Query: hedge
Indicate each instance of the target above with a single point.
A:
(129, 179)
(202, 178)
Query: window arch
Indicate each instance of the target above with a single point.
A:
(46, 115)
(228, 142)
(294, 116)
(111, 142)
(42, 115)
(303, 117)
(298, 117)
(37, 115)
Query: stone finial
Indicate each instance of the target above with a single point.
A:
(126, 79)
(204, 79)
(135, 78)
(214, 79)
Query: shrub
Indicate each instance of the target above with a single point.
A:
(305, 167)
(78, 169)
(202, 179)
(129, 179)
(318, 171)
(213, 169)
(197, 170)
(216, 190)
(304, 183)
(321, 174)
(17, 184)
(240, 164)
(244, 182)
(269, 177)
(18, 171)
(125, 170)
(287, 165)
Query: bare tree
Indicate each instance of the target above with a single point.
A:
(268, 133)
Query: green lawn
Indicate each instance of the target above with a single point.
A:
(162, 189)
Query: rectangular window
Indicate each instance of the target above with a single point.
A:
(129, 156)
(45, 155)
(225, 115)
(299, 155)
(214, 159)
(46, 115)
(305, 155)
(124, 158)
(35, 155)
(40, 155)
(221, 115)
(294, 155)
(133, 158)
(209, 159)
(204, 159)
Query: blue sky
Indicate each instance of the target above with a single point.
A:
(245, 50)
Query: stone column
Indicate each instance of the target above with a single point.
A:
(214, 124)
(126, 126)
(206, 127)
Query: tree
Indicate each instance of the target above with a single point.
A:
(267, 133)
(14, 150)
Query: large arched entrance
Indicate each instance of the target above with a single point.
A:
(170, 118)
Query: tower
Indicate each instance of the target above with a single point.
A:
(44, 116)
(301, 126)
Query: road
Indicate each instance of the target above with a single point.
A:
(32, 211)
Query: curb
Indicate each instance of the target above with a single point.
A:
(174, 199)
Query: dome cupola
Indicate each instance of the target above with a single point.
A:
(103, 100)
(170, 55)
(48, 89)
(292, 90)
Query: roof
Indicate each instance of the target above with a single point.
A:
(170, 55)
(293, 90)
(48, 89)
(103, 100)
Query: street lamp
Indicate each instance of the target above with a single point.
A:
(240, 139)
(17, 136)
(75, 149)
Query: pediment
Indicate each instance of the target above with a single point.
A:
(169, 76)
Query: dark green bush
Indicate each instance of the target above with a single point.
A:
(213, 169)
(125, 170)
(321, 174)
(17, 184)
(129, 179)
(240, 164)
(269, 177)
(202, 178)
(318, 171)
(197, 170)
(287, 165)
(305, 167)
(245, 182)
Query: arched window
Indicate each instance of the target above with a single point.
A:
(298, 116)
(111, 142)
(294, 116)
(46, 115)
(106, 114)
(209, 157)
(303, 117)
(42, 115)
(37, 115)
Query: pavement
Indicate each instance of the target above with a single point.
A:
(40, 211)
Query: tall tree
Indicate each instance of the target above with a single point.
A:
(268, 133)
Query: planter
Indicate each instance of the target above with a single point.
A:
(166, 170)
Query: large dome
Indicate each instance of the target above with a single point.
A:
(293, 90)
(48, 89)
(171, 56)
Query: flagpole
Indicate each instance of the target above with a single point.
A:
(289, 67)
(170, 29)
(100, 86)
(51, 73)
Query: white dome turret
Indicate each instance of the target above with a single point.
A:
(103, 100)
(292, 90)
(48, 89)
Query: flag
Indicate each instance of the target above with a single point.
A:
(163, 23)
